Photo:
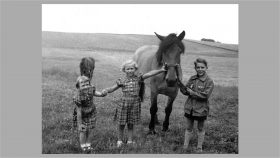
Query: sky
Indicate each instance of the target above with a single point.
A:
(214, 21)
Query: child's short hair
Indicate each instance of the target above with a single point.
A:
(200, 60)
(87, 65)
(129, 62)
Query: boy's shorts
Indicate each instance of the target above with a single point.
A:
(198, 118)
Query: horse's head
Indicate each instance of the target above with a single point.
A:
(169, 53)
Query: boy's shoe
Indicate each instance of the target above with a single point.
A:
(89, 147)
(84, 148)
(119, 143)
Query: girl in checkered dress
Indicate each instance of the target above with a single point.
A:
(129, 111)
(85, 110)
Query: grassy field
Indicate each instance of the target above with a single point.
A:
(60, 70)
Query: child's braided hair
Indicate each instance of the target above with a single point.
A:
(87, 66)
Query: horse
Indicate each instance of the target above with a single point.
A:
(150, 57)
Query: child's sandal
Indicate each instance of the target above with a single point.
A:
(119, 143)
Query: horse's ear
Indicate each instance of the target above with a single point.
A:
(159, 36)
(182, 35)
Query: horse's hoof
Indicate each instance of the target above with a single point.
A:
(157, 123)
(165, 129)
(152, 132)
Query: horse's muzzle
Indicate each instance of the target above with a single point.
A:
(170, 83)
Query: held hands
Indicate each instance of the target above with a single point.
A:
(104, 92)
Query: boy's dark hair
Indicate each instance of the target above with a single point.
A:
(87, 66)
(200, 60)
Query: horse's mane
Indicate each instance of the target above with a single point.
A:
(167, 42)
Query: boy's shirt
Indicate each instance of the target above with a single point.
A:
(198, 101)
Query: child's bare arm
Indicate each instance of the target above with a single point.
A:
(112, 89)
(154, 72)
(100, 94)
(79, 115)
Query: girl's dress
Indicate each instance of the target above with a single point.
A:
(84, 99)
(129, 111)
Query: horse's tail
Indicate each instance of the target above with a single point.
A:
(142, 90)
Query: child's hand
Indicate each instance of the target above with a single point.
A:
(164, 67)
(77, 101)
(81, 127)
(104, 92)
(191, 92)
(119, 82)
(179, 82)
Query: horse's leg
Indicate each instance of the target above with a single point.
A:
(153, 112)
(156, 120)
(168, 110)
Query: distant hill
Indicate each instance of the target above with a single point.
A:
(232, 47)
(128, 42)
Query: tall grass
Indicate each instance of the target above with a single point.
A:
(59, 75)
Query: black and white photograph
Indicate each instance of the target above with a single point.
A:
(140, 78)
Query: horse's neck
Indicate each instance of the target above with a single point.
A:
(154, 64)
(144, 57)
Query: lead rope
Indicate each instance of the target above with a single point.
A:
(179, 82)
(177, 71)
(166, 68)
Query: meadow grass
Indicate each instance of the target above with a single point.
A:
(59, 72)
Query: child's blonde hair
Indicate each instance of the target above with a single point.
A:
(129, 62)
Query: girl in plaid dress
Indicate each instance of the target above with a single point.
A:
(129, 111)
(85, 110)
